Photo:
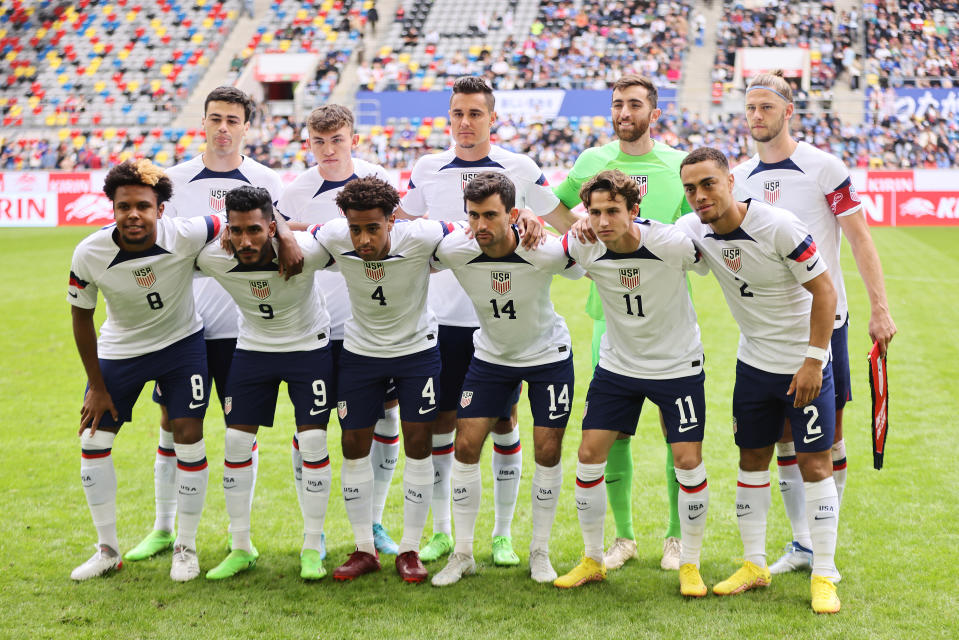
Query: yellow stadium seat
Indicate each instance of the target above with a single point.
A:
(107, 9)
(50, 120)
(439, 123)
(109, 134)
(89, 33)
(63, 134)
(208, 23)
(376, 130)
(99, 86)
(161, 158)
(155, 84)
(123, 54)
(131, 16)
(79, 141)
(285, 45)
(62, 79)
(98, 48)
(41, 32)
(196, 38)
(62, 120)
(161, 31)
(267, 38)
(599, 122)
(125, 155)
(33, 101)
(331, 37)
(166, 69)
(301, 14)
(133, 85)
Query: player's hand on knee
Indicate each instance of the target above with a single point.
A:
(882, 329)
(583, 231)
(95, 404)
(806, 383)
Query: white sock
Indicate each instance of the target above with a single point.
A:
(238, 485)
(791, 488)
(297, 470)
(356, 478)
(752, 508)
(384, 453)
(317, 478)
(164, 483)
(507, 469)
(693, 504)
(822, 505)
(99, 480)
(591, 507)
(192, 476)
(442, 464)
(417, 492)
(839, 467)
(547, 482)
(467, 484)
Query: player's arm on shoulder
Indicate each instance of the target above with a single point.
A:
(561, 218)
(290, 254)
(689, 256)
(807, 382)
(568, 190)
(315, 255)
(97, 400)
(413, 202)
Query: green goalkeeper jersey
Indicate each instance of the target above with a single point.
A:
(657, 175)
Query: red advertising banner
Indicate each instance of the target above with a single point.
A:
(80, 199)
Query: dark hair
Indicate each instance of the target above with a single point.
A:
(702, 154)
(369, 192)
(248, 198)
(490, 183)
(138, 173)
(329, 117)
(616, 183)
(636, 80)
(474, 84)
(233, 96)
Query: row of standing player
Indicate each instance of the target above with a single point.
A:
(631, 116)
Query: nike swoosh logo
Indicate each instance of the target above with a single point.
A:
(194, 405)
(427, 410)
(696, 516)
(314, 412)
(612, 481)
(414, 501)
(353, 498)
(581, 508)
(460, 499)
(504, 479)
(807, 439)
(72, 295)
(557, 416)
(824, 517)
(387, 468)
(684, 430)
(809, 267)
(740, 515)
(543, 499)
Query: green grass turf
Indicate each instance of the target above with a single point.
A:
(897, 542)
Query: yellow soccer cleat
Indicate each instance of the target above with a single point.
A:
(588, 570)
(690, 582)
(824, 598)
(749, 576)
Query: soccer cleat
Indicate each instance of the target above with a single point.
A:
(100, 563)
(457, 566)
(358, 564)
(824, 598)
(322, 546)
(311, 565)
(382, 540)
(503, 554)
(238, 560)
(670, 561)
(588, 570)
(438, 546)
(186, 564)
(540, 568)
(795, 558)
(155, 542)
(409, 567)
(622, 550)
(749, 576)
(690, 582)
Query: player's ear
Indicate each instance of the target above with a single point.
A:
(356, 141)
(272, 228)
(513, 215)
(654, 115)
(634, 212)
(390, 219)
(160, 210)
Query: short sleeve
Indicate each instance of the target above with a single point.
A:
(81, 292)
(414, 202)
(799, 250)
(315, 255)
(199, 231)
(836, 185)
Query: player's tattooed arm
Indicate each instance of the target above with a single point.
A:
(881, 326)
(97, 400)
(290, 254)
(531, 230)
(807, 382)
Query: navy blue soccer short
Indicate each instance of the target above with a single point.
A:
(219, 355)
(489, 389)
(456, 353)
(760, 407)
(337, 347)
(180, 372)
(615, 401)
(254, 383)
(364, 380)
(840, 365)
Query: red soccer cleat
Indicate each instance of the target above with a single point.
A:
(359, 563)
(409, 567)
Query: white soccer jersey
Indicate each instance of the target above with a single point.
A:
(149, 304)
(816, 187)
(198, 191)
(312, 199)
(276, 315)
(651, 328)
(390, 316)
(518, 325)
(436, 187)
(761, 267)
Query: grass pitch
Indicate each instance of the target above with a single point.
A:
(897, 539)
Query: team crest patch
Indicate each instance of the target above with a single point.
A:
(341, 408)
(144, 277)
(466, 177)
(641, 182)
(218, 200)
(629, 278)
(500, 282)
(374, 270)
(735, 425)
(771, 191)
(733, 259)
(227, 405)
(260, 288)
(466, 399)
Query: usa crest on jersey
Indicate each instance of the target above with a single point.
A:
(771, 191)
(260, 288)
(144, 277)
(466, 399)
(629, 278)
(500, 282)
(641, 182)
(374, 270)
(218, 200)
(466, 177)
(733, 259)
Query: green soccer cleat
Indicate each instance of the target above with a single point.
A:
(438, 546)
(237, 561)
(311, 565)
(155, 542)
(503, 554)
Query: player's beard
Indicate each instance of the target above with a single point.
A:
(772, 130)
(640, 127)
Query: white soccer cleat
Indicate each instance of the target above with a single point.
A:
(795, 558)
(186, 564)
(621, 550)
(540, 568)
(457, 566)
(670, 561)
(100, 563)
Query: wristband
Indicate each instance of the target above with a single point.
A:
(816, 353)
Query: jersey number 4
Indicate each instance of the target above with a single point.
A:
(506, 310)
(378, 295)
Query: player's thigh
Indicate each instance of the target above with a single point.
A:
(841, 378)
(124, 380)
(184, 378)
(456, 352)
(308, 376)
(758, 408)
(487, 390)
(682, 405)
(551, 393)
(417, 380)
(361, 386)
(613, 403)
(252, 388)
(814, 425)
